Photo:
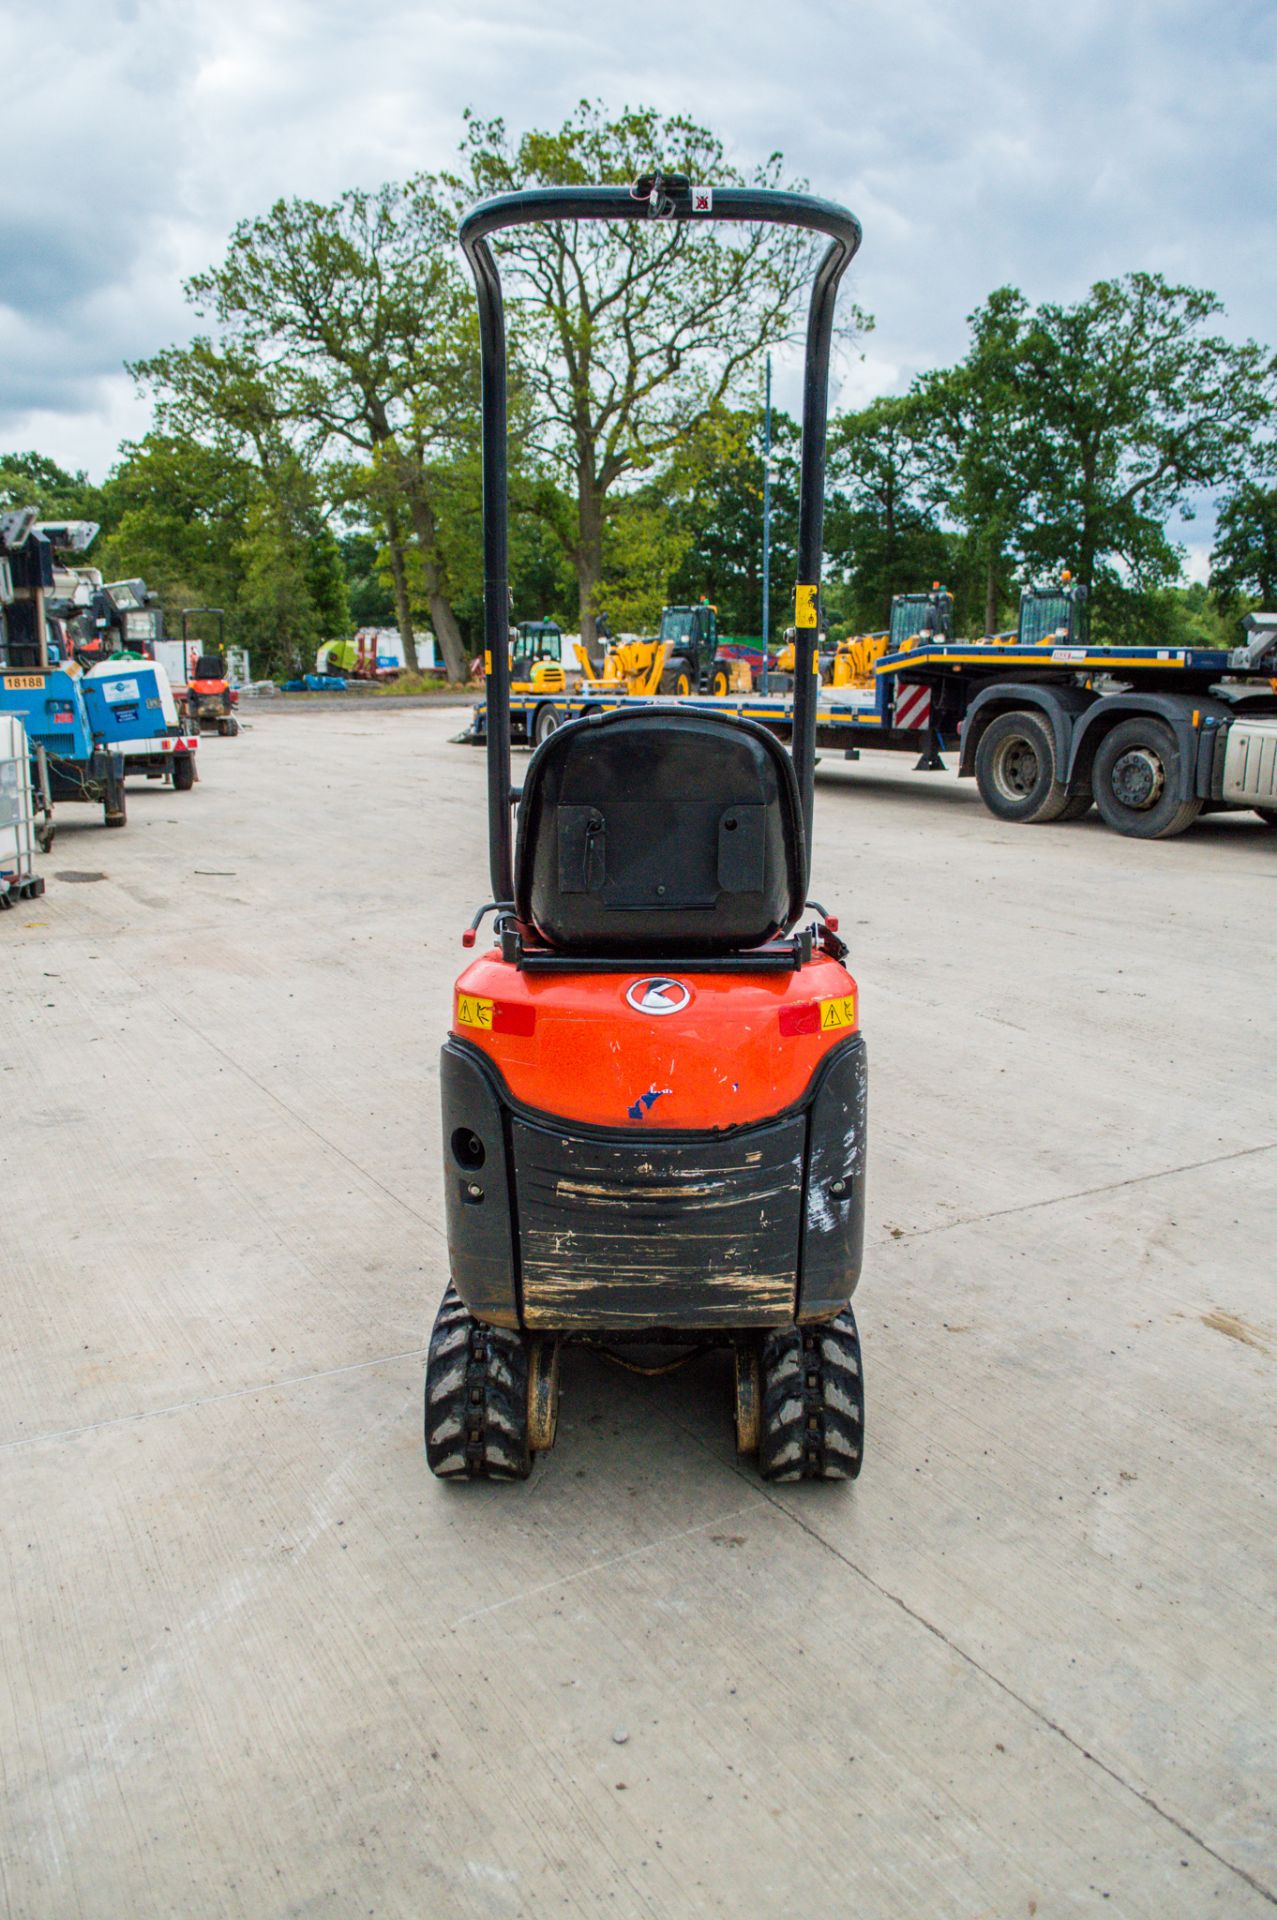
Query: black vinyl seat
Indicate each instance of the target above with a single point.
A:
(660, 831)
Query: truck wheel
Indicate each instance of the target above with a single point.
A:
(1137, 781)
(547, 722)
(720, 684)
(1015, 770)
(476, 1398)
(813, 1402)
(183, 772)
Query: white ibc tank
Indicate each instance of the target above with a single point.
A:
(17, 819)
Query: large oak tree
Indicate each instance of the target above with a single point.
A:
(630, 334)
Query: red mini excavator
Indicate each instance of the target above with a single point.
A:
(210, 701)
(654, 1090)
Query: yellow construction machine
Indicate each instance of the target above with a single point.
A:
(629, 666)
(536, 658)
(917, 619)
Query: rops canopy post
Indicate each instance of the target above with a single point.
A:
(671, 197)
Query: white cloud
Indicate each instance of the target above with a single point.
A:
(1039, 143)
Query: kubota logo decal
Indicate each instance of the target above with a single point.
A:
(657, 994)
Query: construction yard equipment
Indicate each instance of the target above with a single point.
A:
(18, 877)
(210, 699)
(917, 619)
(685, 657)
(125, 616)
(654, 1086)
(44, 690)
(629, 666)
(700, 660)
(536, 657)
(1049, 723)
(133, 711)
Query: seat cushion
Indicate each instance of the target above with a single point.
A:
(660, 831)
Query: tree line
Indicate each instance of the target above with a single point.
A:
(313, 459)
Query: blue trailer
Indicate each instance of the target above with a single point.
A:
(132, 711)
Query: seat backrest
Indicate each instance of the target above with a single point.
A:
(659, 831)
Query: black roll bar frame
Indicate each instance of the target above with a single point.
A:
(756, 205)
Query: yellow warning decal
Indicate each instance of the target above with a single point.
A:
(487, 663)
(473, 1012)
(840, 1013)
(805, 606)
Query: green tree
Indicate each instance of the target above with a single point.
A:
(33, 480)
(631, 332)
(293, 590)
(1132, 409)
(175, 511)
(346, 329)
(1244, 560)
(971, 428)
(714, 486)
(368, 590)
(882, 535)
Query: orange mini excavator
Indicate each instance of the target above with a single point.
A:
(654, 1089)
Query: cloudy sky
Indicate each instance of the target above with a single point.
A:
(1045, 142)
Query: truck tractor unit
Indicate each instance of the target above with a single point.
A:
(654, 1086)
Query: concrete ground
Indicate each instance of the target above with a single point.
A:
(257, 1663)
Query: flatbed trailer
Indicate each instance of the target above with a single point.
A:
(1153, 736)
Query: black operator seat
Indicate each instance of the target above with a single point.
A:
(659, 832)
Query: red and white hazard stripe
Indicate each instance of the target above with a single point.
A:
(913, 707)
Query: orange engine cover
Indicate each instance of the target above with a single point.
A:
(695, 1050)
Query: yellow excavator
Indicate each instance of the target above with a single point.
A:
(917, 619)
(536, 658)
(629, 666)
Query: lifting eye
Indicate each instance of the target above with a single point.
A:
(467, 1149)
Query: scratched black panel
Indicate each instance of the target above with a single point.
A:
(476, 1188)
(834, 1224)
(626, 1231)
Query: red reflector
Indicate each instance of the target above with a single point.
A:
(513, 1016)
(804, 1018)
(468, 937)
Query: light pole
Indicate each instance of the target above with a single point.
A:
(767, 514)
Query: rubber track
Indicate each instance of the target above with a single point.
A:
(476, 1398)
(813, 1413)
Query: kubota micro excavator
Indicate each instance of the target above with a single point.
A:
(654, 1085)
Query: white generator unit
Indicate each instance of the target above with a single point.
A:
(18, 877)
